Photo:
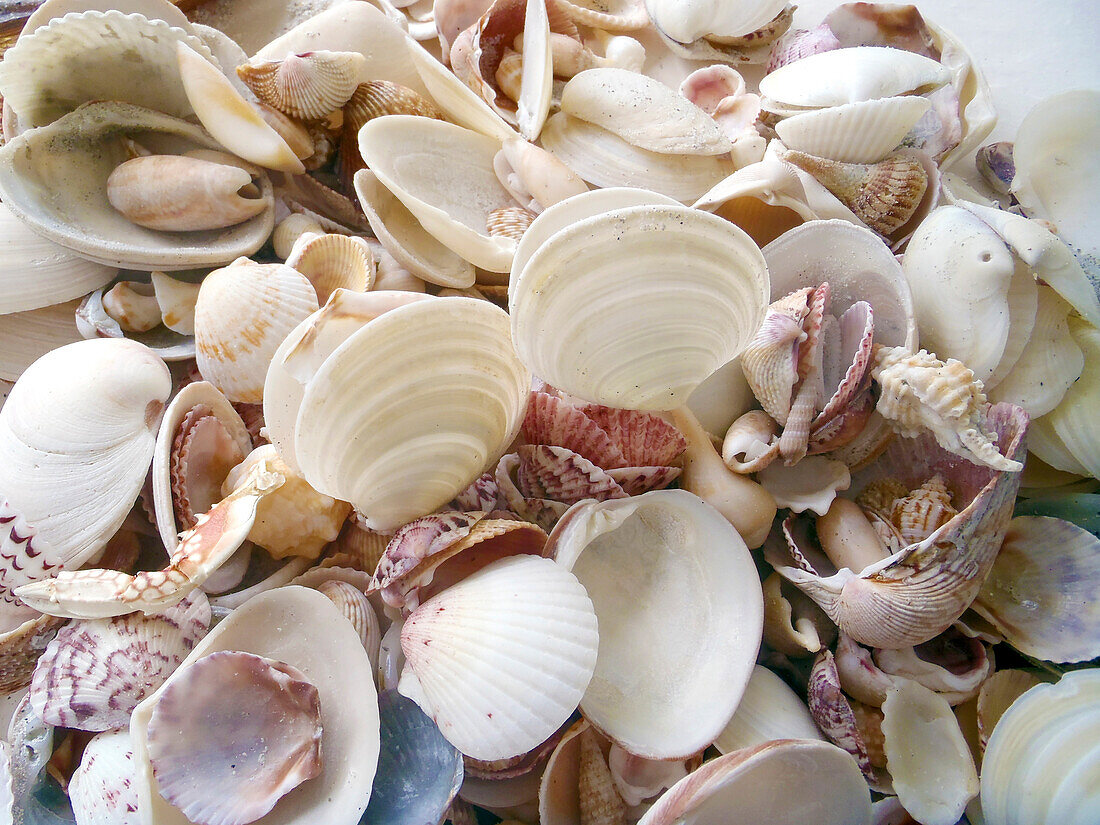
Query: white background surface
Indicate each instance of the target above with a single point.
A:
(1027, 49)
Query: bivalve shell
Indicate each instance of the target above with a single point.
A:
(861, 132)
(102, 790)
(307, 86)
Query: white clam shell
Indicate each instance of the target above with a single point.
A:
(688, 20)
(102, 790)
(573, 282)
(437, 434)
(661, 568)
(786, 782)
(606, 160)
(928, 758)
(768, 710)
(501, 659)
(59, 275)
(444, 175)
(850, 75)
(76, 437)
(72, 159)
(1040, 761)
(305, 630)
(96, 56)
(643, 112)
(243, 313)
(27, 336)
(862, 132)
(402, 235)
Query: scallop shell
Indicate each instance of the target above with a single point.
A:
(554, 290)
(471, 647)
(59, 276)
(453, 204)
(786, 782)
(861, 132)
(1039, 593)
(850, 75)
(243, 313)
(78, 214)
(102, 788)
(76, 436)
(630, 555)
(306, 631)
(768, 710)
(76, 58)
(332, 262)
(94, 673)
(482, 402)
(306, 86)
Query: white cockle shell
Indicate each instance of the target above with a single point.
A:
(861, 132)
(660, 568)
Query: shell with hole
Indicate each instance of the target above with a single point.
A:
(515, 663)
(76, 434)
(73, 158)
(243, 313)
(631, 557)
(898, 599)
(461, 392)
(571, 281)
(305, 631)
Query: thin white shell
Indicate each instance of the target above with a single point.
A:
(688, 20)
(398, 420)
(861, 132)
(572, 328)
(102, 790)
(664, 568)
(501, 659)
(302, 628)
(444, 175)
(768, 710)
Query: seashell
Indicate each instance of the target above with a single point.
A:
(920, 392)
(770, 361)
(744, 503)
(60, 276)
(1038, 594)
(793, 624)
(201, 426)
(356, 609)
(839, 76)
(79, 216)
(1060, 130)
(835, 714)
(27, 336)
(917, 593)
(548, 287)
(181, 194)
(556, 473)
(919, 514)
(80, 417)
(929, 761)
(884, 195)
(406, 240)
(796, 44)
(133, 306)
(176, 301)
(784, 782)
(302, 627)
(953, 665)
(859, 675)
(615, 16)
(509, 74)
(94, 673)
(998, 693)
(768, 710)
(604, 159)
(289, 230)
(812, 486)
(436, 771)
(200, 775)
(297, 137)
(690, 21)
(509, 221)
(231, 119)
(1048, 364)
(468, 332)
(862, 132)
(540, 511)
(93, 321)
(535, 177)
(642, 438)
(102, 788)
(611, 543)
(332, 262)
(497, 676)
(375, 98)
(39, 90)
(306, 86)
(994, 162)
(453, 208)
(752, 47)
(294, 520)
(243, 313)
(643, 112)
(847, 538)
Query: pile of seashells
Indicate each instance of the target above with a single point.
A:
(577, 412)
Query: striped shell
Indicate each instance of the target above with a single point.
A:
(306, 86)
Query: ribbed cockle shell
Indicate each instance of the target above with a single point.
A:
(308, 85)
